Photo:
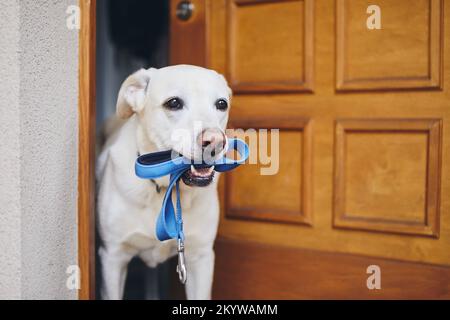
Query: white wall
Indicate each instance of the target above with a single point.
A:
(10, 262)
(38, 184)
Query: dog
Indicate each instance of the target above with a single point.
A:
(156, 105)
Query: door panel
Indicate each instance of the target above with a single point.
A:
(270, 201)
(364, 150)
(387, 175)
(405, 53)
(287, 48)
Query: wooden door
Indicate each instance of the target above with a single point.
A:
(364, 174)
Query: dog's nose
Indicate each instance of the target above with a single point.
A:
(213, 139)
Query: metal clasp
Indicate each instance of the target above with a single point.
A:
(181, 267)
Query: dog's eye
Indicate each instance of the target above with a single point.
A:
(221, 104)
(174, 104)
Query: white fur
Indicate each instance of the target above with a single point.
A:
(128, 206)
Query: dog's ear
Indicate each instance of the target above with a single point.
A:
(132, 93)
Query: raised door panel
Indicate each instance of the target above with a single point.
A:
(404, 53)
(387, 175)
(272, 187)
(270, 45)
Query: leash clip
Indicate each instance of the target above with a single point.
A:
(181, 267)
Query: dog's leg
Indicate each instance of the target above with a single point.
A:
(200, 276)
(114, 272)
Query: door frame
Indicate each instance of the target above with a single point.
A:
(86, 149)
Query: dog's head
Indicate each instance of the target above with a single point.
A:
(183, 108)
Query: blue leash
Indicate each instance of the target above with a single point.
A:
(159, 164)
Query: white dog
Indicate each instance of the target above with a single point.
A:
(158, 103)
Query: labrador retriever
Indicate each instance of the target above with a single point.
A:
(183, 108)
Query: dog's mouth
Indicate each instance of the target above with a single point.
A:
(198, 177)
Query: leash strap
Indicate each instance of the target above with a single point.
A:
(158, 164)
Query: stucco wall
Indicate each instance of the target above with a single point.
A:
(9, 152)
(41, 222)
